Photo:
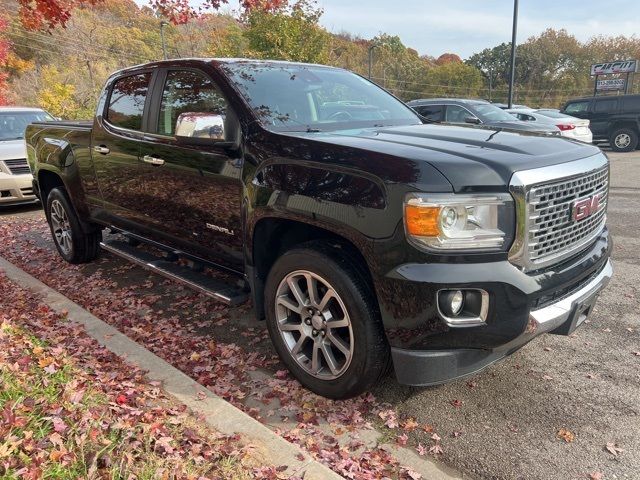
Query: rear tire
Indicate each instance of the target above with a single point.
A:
(624, 140)
(72, 242)
(332, 340)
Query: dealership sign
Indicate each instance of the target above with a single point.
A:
(625, 66)
(613, 84)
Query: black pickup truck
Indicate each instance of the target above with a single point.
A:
(365, 237)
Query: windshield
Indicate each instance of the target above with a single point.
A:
(314, 98)
(13, 124)
(490, 113)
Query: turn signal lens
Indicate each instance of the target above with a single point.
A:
(422, 221)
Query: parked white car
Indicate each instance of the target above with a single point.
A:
(15, 175)
(571, 127)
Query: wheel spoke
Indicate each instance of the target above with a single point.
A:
(297, 293)
(312, 290)
(287, 303)
(330, 358)
(290, 327)
(315, 359)
(299, 344)
(339, 343)
(325, 300)
(338, 323)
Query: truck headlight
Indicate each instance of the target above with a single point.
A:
(459, 222)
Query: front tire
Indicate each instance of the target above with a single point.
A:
(624, 140)
(72, 242)
(324, 323)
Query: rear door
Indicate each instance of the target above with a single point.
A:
(194, 191)
(116, 136)
(602, 110)
(431, 112)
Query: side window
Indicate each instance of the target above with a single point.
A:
(605, 106)
(576, 107)
(430, 112)
(631, 104)
(126, 103)
(187, 92)
(456, 114)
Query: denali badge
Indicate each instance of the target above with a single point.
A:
(585, 207)
(217, 228)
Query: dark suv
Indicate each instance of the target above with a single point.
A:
(475, 112)
(613, 119)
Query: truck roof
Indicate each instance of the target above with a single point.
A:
(20, 109)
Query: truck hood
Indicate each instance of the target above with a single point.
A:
(12, 149)
(469, 157)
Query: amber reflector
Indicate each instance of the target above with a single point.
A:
(422, 221)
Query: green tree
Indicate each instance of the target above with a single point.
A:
(455, 79)
(288, 33)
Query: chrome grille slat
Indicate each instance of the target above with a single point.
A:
(546, 232)
(18, 166)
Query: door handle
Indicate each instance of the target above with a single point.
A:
(152, 160)
(101, 149)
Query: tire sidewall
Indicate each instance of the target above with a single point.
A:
(76, 230)
(363, 319)
(632, 144)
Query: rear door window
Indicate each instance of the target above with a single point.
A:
(631, 104)
(577, 107)
(605, 106)
(126, 103)
(430, 112)
(457, 114)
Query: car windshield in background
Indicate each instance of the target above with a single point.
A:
(490, 113)
(13, 124)
(314, 98)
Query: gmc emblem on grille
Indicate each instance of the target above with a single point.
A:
(585, 207)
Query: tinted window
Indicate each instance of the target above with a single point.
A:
(14, 123)
(431, 112)
(631, 104)
(456, 114)
(490, 113)
(301, 98)
(577, 107)
(187, 92)
(126, 104)
(525, 118)
(605, 106)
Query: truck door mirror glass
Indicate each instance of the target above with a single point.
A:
(472, 119)
(199, 125)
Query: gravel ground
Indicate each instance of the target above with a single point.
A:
(507, 420)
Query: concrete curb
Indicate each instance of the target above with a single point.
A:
(218, 413)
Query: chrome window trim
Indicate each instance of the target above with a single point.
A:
(520, 186)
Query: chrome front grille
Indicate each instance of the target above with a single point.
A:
(18, 166)
(546, 231)
(551, 227)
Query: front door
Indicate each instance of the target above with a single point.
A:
(116, 137)
(195, 191)
(603, 108)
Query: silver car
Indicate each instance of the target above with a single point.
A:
(15, 175)
(571, 127)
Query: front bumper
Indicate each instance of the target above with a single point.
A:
(432, 367)
(16, 189)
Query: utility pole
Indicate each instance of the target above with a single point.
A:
(164, 46)
(490, 84)
(513, 52)
(371, 47)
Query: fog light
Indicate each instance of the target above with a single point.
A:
(452, 302)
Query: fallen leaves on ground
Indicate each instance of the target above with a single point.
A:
(175, 323)
(613, 449)
(70, 408)
(566, 435)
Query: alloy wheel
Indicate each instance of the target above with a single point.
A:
(61, 227)
(314, 324)
(623, 140)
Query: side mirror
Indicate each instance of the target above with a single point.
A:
(471, 119)
(200, 126)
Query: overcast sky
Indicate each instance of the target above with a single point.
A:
(464, 27)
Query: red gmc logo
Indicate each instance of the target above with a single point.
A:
(585, 207)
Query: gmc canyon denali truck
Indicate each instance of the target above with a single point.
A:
(365, 237)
